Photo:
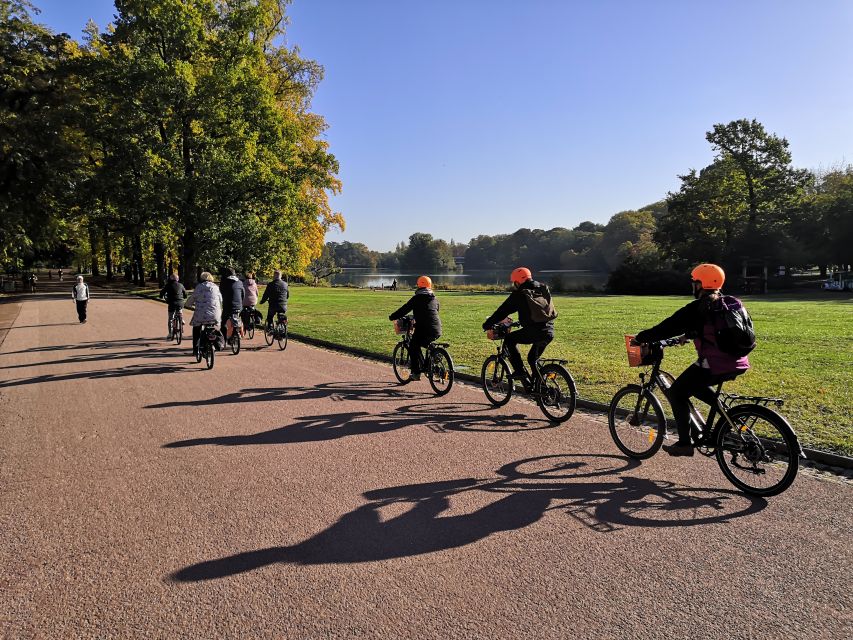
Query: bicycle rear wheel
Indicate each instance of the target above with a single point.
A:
(636, 421)
(209, 356)
(496, 381)
(761, 455)
(250, 329)
(558, 395)
(402, 363)
(269, 335)
(178, 330)
(440, 371)
(281, 336)
(235, 342)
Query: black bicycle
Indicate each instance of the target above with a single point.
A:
(206, 349)
(234, 340)
(248, 317)
(553, 387)
(277, 332)
(176, 322)
(438, 366)
(756, 448)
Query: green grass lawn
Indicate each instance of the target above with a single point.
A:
(804, 353)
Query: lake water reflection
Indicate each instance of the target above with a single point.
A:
(569, 280)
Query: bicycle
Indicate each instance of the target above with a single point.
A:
(553, 386)
(176, 323)
(205, 349)
(248, 317)
(756, 448)
(277, 332)
(438, 366)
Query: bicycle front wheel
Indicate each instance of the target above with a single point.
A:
(440, 371)
(636, 421)
(761, 455)
(402, 363)
(281, 336)
(558, 395)
(496, 381)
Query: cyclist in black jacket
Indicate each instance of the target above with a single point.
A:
(176, 297)
(537, 334)
(233, 293)
(276, 293)
(424, 307)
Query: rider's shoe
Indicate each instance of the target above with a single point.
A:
(679, 449)
(415, 376)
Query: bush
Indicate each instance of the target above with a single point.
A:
(634, 280)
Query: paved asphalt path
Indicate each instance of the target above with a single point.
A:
(303, 494)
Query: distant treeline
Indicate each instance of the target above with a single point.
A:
(750, 208)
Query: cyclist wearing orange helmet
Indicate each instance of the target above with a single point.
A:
(424, 307)
(713, 366)
(528, 299)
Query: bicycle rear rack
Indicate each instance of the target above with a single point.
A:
(557, 360)
(755, 399)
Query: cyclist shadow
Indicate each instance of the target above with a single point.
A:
(472, 416)
(338, 391)
(412, 520)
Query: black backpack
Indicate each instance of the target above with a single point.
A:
(733, 328)
(540, 304)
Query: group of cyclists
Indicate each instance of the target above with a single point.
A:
(531, 300)
(228, 304)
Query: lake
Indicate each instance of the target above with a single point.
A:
(570, 279)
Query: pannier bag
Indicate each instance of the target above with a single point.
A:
(406, 324)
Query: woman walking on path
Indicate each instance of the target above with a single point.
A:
(80, 295)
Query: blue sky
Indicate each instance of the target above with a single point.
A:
(462, 117)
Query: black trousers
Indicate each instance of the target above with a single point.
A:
(694, 382)
(535, 337)
(417, 342)
(81, 309)
(271, 313)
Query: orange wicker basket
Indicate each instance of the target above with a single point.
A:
(635, 353)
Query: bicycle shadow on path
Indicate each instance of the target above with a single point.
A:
(317, 428)
(526, 490)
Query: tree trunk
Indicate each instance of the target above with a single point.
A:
(93, 245)
(137, 258)
(108, 253)
(160, 259)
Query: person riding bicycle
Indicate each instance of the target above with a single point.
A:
(424, 307)
(207, 300)
(232, 298)
(532, 301)
(713, 366)
(276, 293)
(251, 298)
(176, 297)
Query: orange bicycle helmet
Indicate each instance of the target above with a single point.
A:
(424, 282)
(710, 276)
(520, 275)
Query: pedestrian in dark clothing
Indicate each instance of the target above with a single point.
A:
(424, 307)
(276, 293)
(537, 332)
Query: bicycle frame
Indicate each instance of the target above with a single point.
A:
(503, 352)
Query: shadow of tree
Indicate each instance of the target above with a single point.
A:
(526, 490)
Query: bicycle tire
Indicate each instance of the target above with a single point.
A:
(638, 428)
(209, 356)
(269, 335)
(766, 441)
(440, 371)
(178, 330)
(281, 336)
(496, 381)
(235, 343)
(401, 363)
(250, 330)
(198, 353)
(562, 394)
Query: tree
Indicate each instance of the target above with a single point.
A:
(426, 254)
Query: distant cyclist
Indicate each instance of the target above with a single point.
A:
(232, 298)
(251, 298)
(176, 297)
(276, 293)
(207, 300)
(695, 320)
(424, 307)
(532, 301)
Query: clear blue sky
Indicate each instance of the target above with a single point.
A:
(462, 117)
